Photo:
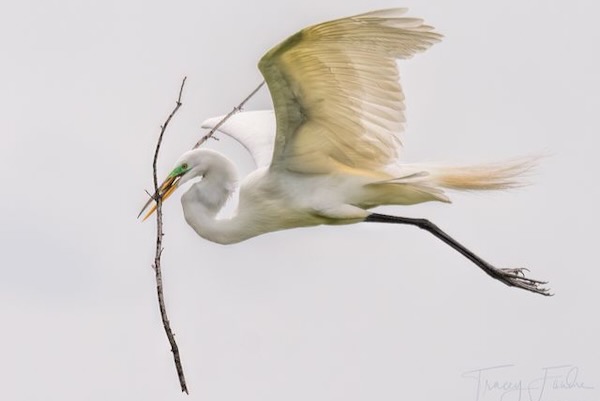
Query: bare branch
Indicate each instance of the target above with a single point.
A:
(232, 112)
(158, 198)
(159, 249)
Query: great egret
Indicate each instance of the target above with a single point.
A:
(338, 111)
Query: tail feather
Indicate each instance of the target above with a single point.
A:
(419, 183)
(493, 176)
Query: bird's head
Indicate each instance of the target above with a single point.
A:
(190, 164)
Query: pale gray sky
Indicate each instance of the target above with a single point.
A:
(364, 312)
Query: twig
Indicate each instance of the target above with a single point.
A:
(232, 112)
(159, 249)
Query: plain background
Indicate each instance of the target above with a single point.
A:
(363, 312)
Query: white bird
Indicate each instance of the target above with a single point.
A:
(329, 152)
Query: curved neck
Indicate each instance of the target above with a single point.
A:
(203, 201)
(203, 220)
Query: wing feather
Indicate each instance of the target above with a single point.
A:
(336, 92)
(254, 130)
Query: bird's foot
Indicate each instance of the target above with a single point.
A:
(516, 278)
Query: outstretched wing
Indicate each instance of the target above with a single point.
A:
(254, 130)
(338, 102)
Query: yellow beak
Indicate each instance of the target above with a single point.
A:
(164, 191)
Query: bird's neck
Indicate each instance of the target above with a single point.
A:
(204, 221)
(205, 199)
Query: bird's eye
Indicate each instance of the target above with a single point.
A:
(184, 166)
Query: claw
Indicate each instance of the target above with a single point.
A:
(516, 278)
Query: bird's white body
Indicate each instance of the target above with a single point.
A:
(269, 201)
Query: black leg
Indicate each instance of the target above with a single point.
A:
(510, 277)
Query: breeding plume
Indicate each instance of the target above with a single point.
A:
(329, 151)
